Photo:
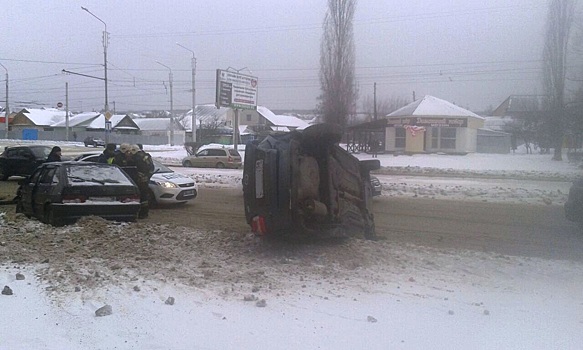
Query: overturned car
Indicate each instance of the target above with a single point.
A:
(304, 183)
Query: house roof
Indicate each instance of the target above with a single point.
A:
(430, 106)
(44, 116)
(155, 124)
(285, 121)
(81, 119)
(516, 104)
(118, 121)
(205, 113)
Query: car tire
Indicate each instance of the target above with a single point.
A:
(220, 165)
(187, 164)
(152, 202)
(19, 208)
(50, 217)
(3, 175)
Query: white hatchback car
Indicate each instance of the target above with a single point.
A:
(166, 186)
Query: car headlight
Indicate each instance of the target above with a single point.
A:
(166, 184)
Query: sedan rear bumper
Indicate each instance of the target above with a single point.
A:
(113, 211)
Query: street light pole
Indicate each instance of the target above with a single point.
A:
(193, 116)
(6, 109)
(105, 43)
(171, 104)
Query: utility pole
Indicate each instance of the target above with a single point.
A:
(193, 116)
(6, 108)
(105, 43)
(375, 101)
(171, 104)
(66, 111)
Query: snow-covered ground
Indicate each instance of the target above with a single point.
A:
(415, 298)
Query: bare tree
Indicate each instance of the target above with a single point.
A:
(384, 105)
(337, 61)
(558, 30)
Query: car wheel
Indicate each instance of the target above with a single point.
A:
(3, 175)
(19, 206)
(152, 202)
(50, 217)
(220, 165)
(187, 164)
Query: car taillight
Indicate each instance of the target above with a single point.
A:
(258, 225)
(74, 198)
(129, 199)
(230, 159)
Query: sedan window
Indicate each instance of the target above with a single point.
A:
(47, 177)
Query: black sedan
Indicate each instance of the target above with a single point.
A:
(22, 160)
(92, 141)
(61, 192)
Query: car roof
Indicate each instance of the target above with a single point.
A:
(28, 146)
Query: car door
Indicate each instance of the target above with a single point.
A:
(44, 189)
(201, 159)
(217, 156)
(27, 190)
(20, 160)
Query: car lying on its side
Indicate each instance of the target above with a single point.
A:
(303, 183)
(214, 157)
(22, 160)
(61, 192)
(574, 204)
(166, 186)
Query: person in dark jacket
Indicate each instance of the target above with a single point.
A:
(55, 155)
(108, 154)
(123, 158)
(145, 170)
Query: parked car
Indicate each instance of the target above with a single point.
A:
(303, 183)
(166, 186)
(92, 141)
(574, 204)
(22, 160)
(61, 192)
(214, 158)
(376, 186)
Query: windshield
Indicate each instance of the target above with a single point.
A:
(161, 168)
(41, 152)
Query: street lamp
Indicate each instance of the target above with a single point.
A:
(105, 42)
(6, 109)
(193, 117)
(171, 104)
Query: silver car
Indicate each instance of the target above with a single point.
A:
(214, 158)
(166, 186)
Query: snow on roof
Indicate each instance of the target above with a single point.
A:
(45, 116)
(153, 124)
(243, 130)
(205, 113)
(432, 107)
(288, 121)
(81, 119)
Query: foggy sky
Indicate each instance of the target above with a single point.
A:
(472, 53)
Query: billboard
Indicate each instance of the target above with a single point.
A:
(235, 90)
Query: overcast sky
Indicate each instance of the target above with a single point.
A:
(473, 53)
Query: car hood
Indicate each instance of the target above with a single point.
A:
(172, 177)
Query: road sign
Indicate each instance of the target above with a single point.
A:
(108, 126)
(59, 104)
(235, 90)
